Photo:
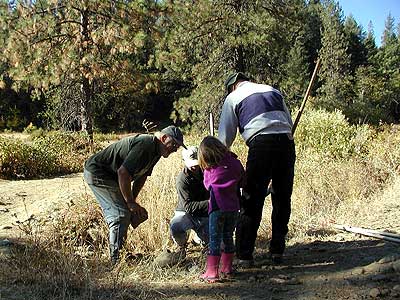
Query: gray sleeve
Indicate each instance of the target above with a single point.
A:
(228, 123)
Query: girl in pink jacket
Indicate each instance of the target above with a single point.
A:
(223, 174)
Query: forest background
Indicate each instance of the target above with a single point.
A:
(73, 70)
(105, 66)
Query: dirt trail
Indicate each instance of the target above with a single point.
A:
(339, 266)
(22, 199)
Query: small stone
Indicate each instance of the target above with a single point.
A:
(374, 292)
(358, 271)
(388, 259)
(396, 288)
(252, 279)
(396, 266)
(385, 292)
(293, 281)
(277, 280)
(394, 294)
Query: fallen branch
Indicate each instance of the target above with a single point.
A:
(391, 237)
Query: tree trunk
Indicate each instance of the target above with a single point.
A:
(87, 95)
(86, 108)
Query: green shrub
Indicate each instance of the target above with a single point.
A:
(384, 152)
(330, 133)
(55, 153)
(30, 128)
(22, 160)
(71, 149)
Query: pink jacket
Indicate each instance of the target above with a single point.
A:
(223, 182)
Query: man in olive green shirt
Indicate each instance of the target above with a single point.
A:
(117, 174)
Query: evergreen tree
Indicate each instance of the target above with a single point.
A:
(335, 92)
(207, 40)
(80, 44)
(369, 43)
(356, 49)
(312, 32)
(295, 81)
(389, 35)
(388, 66)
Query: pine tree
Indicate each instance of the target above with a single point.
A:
(388, 36)
(388, 65)
(335, 92)
(369, 43)
(89, 44)
(207, 40)
(296, 77)
(356, 49)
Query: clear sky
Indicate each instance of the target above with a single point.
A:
(376, 11)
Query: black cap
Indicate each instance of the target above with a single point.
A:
(231, 80)
(175, 133)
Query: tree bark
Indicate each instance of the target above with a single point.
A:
(87, 94)
(86, 108)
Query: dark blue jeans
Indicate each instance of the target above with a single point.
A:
(221, 227)
(270, 156)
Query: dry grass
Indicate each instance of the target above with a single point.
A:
(70, 261)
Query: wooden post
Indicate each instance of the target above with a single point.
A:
(211, 124)
(303, 104)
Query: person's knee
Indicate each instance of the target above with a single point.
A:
(176, 227)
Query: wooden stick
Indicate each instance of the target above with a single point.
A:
(392, 237)
(303, 104)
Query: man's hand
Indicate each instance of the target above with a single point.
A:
(139, 214)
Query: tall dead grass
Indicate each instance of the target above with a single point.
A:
(68, 258)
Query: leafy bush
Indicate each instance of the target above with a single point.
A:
(71, 149)
(34, 131)
(22, 160)
(330, 133)
(384, 152)
(55, 153)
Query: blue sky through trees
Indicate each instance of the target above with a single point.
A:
(376, 11)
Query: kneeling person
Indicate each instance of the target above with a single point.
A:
(192, 209)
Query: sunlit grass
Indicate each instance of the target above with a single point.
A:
(71, 250)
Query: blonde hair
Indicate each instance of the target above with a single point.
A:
(211, 151)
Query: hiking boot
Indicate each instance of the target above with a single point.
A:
(244, 263)
(169, 259)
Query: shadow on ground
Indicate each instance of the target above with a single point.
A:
(318, 270)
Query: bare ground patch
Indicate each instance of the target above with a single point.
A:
(327, 264)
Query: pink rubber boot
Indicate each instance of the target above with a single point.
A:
(226, 264)
(211, 274)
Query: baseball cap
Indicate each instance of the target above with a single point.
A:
(233, 78)
(189, 156)
(175, 133)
